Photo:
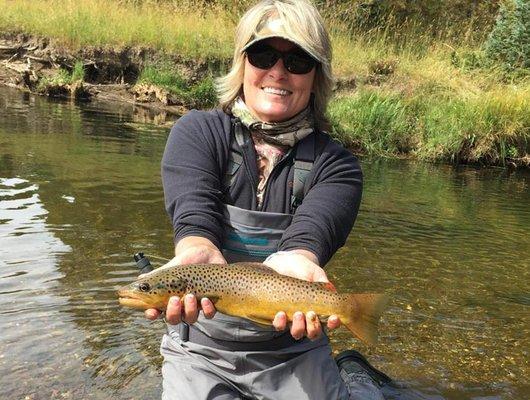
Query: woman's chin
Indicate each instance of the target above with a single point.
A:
(275, 114)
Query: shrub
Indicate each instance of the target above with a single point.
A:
(509, 42)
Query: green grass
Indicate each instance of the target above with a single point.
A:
(197, 95)
(435, 126)
(63, 77)
(78, 72)
(440, 101)
(373, 122)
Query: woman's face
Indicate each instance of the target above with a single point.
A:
(275, 94)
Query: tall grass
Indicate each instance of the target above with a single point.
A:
(192, 33)
(487, 129)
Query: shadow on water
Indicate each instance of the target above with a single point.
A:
(80, 193)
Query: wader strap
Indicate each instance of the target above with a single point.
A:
(304, 160)
(184, 331)
(235, 157)
(303, 163)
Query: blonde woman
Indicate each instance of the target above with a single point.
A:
(259, 179)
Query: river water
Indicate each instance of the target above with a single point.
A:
(80, 192)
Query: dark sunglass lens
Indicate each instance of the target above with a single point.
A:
(298, 63)
(263, 58)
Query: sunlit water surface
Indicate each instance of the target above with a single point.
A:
(80, 192)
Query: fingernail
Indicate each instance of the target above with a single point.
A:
(175, 300)
(311, 316)
(189, 296)
(298, 315)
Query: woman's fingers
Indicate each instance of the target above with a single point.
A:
(333, 322)
(152, 314)
(304, 325)
(298, 325)
(280, 321)
(312, 323)
(207, 308)
(174, 310)
(191, 310)
(185, 309)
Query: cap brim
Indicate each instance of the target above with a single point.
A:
(276, 35)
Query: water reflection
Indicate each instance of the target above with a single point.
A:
(29, 254)
(80, 193)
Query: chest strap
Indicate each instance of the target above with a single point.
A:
(303, 163)
(235, 157)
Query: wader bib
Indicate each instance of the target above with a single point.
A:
(233, 358)
(250, 236)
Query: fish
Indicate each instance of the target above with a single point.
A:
(257, 293)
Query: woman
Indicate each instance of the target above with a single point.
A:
(257, 180)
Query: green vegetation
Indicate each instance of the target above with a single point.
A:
(192, 33)
(63, 77)
(489, 129)
(198, 95)
(437, 79)
(78, 72)
(509, 42)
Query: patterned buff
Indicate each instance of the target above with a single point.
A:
(272, 140)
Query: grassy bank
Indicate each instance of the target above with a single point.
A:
(411, 95)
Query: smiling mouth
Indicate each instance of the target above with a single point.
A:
(276, 91)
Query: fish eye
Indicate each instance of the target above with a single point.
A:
(144, 287)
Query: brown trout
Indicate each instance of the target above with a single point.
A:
(256, 292)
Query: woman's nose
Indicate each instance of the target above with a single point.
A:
(278, 70)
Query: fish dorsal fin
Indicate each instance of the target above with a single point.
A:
(258, 266)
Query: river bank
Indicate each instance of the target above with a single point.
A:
(40, 65)
(421, 99)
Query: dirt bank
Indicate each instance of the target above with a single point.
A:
(33, 64)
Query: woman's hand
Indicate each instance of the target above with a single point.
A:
(301, 264)
(189, 250)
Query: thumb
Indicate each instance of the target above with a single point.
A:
(319, 275)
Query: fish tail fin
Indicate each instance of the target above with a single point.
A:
(362, 314)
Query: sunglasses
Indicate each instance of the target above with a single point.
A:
(296, 61)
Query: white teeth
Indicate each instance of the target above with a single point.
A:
(280, 92)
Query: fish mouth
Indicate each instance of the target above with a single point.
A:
(128, 298)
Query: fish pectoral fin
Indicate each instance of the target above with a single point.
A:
(259, 319)
(327, 286)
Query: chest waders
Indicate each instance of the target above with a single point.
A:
(250, 236)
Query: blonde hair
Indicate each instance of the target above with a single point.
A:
(300, 20)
